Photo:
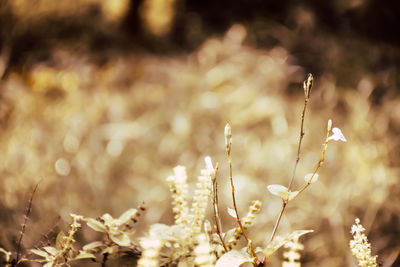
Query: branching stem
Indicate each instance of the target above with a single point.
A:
(307, 85)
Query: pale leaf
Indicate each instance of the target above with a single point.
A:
(232, 212)
(276, 189)
(107, 218)
(38, 252)
(121, 239)
(51, 250)
(234, 258)
(49, 264)
(282, 192)
(84, 255)
(96, 225)
(92, 245)
(126, 216)
(280, 241)
(288, 195)
(228, 237)
(309, 176)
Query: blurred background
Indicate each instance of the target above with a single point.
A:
(100, 99)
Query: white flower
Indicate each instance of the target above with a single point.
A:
(337, 135)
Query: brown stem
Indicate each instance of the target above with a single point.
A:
(278, 221)
(27, 213)
(228, 150)
(216, 211)
(307, 89)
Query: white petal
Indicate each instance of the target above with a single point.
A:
(337, 135)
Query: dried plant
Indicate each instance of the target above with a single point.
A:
(292, 256)
(186, 241)
(360, 247)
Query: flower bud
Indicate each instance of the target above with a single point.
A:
(228, 135)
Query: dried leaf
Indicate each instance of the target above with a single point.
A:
(234, 258)
(280, 241)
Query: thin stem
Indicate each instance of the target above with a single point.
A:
(319, 164)
(216, 211)
(278, 221)
(300, 142)
(307, 89)
(228, 150)
(26, 217)
(307, 85)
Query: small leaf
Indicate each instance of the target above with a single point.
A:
(276, 189)
(232, 212)
(126, 216)
(92, 245)
(234, 258)
(96, 225)
(121, 239)
(282, 192)
(84, 255)
(280, 241)
(215, 238)
(107, 218)
(51, 250)
(289, 195)
(308, 177)
(228, 235)
(41, 253)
